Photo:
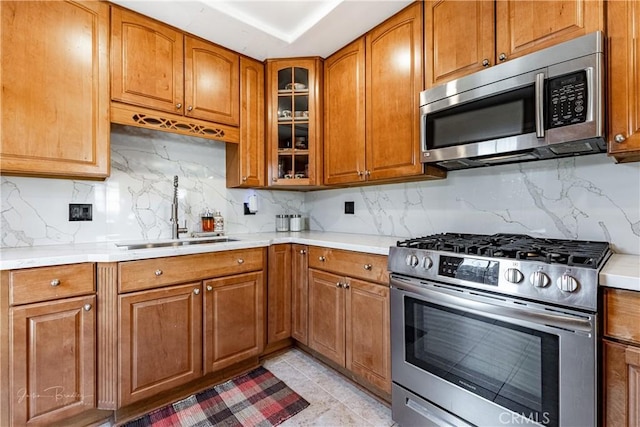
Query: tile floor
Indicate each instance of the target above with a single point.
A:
(334, 400)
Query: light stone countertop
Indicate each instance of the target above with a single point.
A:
(622, 272)
(39, 256)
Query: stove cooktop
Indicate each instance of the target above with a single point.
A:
(579, 253)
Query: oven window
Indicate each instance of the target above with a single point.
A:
(513, 366)
(499, 116)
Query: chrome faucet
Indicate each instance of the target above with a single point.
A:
(175, 227)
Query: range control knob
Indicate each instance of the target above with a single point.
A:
(412, 261)
(426, 263)
(567, 283)
(513, 275)
(539, 279)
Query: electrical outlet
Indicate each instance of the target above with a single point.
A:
(349, 208)
(80, 211)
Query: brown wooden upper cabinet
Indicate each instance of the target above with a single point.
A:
(54, 103)
(623, 33)
(371, 104)
(156, 66)
(464, 37)
(245, 160)
(294, 122)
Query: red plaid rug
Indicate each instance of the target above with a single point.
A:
(254, 399)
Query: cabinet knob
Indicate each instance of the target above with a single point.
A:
(87, 307)
(302, 252)
(55, 282)
(338, 285)
(209, 288)
(196, 291)
(244, 179)
(367, 173)
(360, 173)
(485, 62)
(502, 57)
(158, 272)
(367, 267)
(178, 106)
(240, 261)
(189, 108)
(619, 138)
(346, 285)
(321, 259)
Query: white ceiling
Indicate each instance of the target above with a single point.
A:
(272, 29)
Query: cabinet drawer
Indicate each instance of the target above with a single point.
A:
(48, 283)
(353, 264)
(153, 273)
(622, 314)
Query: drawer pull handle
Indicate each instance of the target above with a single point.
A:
(158, 272)
(240, 261)
(55, 282)
(368, 267)
(321, 259)
(87, 307)
(196, 291)
(209, 288)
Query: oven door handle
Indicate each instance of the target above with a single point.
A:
(495, 311)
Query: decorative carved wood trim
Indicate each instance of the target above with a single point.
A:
(107, 375)
(166, 122)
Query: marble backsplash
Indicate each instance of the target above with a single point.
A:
(587, 198)
(134, 203)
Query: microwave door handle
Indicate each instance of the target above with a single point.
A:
(539, 97)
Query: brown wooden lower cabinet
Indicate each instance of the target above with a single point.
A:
(234, 320)
(349, 324)
(160, 338)
(621, 358)
(299, 293)
(52, 360)
(279, 293)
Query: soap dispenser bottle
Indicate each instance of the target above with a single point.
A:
(218, 222)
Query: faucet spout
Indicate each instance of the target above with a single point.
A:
(175, 226)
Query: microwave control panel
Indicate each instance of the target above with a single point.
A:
(567, 99)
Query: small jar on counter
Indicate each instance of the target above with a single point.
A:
(207, 220)
(218, 222)
(295, 222)
(282, 222)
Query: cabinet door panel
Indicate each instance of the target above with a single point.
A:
(245, 160)
(54, 103)
(459, 36)
(367, 334)
(159, 328)
(326, 315)
(623, 50)
(344, 115)
(146, 62)
(52, 360)
(211, 82)
(279, 293)
(299, 293)
(234, 320)
(393, 84)
(526, 26)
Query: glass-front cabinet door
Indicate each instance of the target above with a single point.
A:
(294, 122)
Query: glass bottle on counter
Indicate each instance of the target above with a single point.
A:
(218, 222)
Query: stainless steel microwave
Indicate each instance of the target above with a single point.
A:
(542, 105)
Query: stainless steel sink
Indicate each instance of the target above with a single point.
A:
(174, 243)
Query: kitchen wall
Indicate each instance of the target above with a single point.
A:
(586, 197)
(134, 203)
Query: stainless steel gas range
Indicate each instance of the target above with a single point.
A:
(493, 330)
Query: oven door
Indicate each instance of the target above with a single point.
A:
(492, 360)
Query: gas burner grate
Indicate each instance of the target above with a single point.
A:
(580, 253)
